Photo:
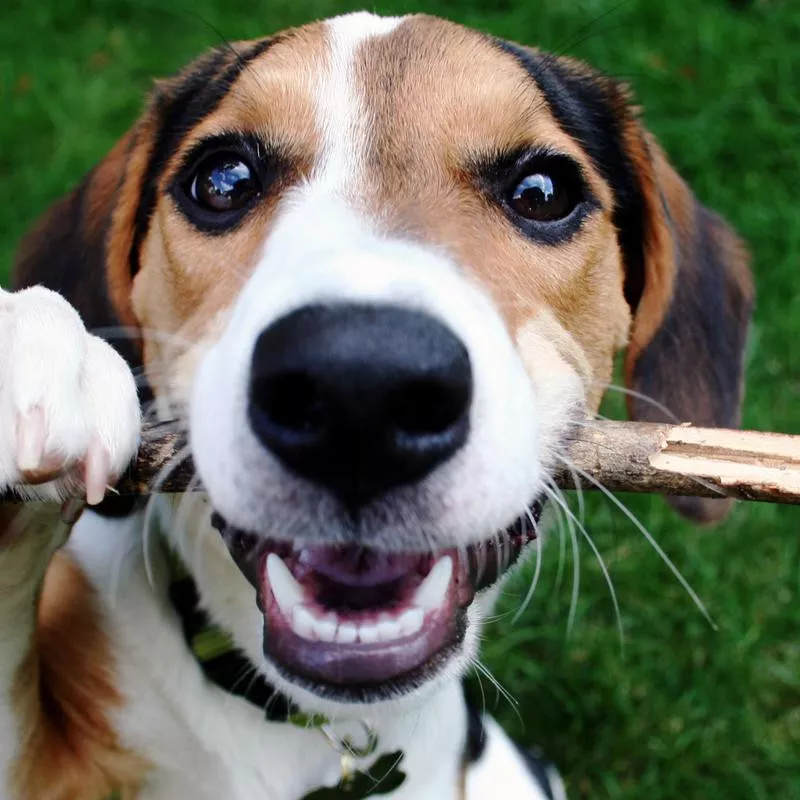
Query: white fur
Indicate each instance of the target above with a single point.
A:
(501, 771)
(49, 363)
(340, 112)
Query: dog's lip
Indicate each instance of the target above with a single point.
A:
(360, 588)
(346, 633)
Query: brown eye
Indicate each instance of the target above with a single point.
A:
(224, 182)
(542, 198)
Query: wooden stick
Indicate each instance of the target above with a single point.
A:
(683, 460)
(622, 456)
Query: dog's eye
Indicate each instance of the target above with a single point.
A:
(543, 197)
(224, 182)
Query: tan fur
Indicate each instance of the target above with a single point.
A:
(667, 193)
(188, 280)
(135, 148)
(425, 139)
(662, 187)
(64, 695)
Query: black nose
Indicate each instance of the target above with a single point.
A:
(360, 398)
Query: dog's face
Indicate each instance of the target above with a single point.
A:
(381, 267)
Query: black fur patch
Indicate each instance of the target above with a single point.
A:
(60, 255)
(703, 335)
(586, 109)
(541, 769)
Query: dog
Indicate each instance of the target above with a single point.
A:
(377, 269)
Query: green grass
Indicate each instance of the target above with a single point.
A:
(684, 711)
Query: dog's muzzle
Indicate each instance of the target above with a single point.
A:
(360, 400)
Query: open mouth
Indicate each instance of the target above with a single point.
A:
(350, 617)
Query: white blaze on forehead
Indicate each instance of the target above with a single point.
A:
(341, 113)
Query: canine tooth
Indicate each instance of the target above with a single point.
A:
(287, 591)
(431, 592)
(303, 623)
(325, 628)
(410, 621)
(346, 633)
(388, 630)
(368, 634)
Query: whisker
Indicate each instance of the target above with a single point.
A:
(587, 30)
(148, 540)
(116, 574)
(499, 688)
(645, 398)
(562, 548)
(148, 545)
(536, 572)
(478, 676)
(247, 671)
(557, 497)
(651, 540)
(576, 575)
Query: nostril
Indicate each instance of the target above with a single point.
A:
(360, 399)
(426, 407)
(290, 404)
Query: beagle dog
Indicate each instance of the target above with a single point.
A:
(375, 270)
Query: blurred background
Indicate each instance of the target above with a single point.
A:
(680, 710)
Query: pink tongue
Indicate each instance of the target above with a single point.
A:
(358, 566)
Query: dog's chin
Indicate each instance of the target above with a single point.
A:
(355, 624)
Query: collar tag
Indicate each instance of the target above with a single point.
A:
(382, 777)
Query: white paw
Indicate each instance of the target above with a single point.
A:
(69, 413)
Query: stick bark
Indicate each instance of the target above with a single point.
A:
(622, 456)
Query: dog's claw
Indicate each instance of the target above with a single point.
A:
(31, 435)
(97, 472)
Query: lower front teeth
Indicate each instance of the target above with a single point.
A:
(288, 594)
(324, 629)
(346, 633)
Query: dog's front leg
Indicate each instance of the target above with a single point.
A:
(69, 422)
(502, 769)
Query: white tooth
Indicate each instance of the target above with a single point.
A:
(431, 592)
(410, 621)
(325, 628)
(287, 591)
(346, 633)
(368, 634)
(388, 630)
(303, 623)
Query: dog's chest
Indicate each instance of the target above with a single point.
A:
(204, 742)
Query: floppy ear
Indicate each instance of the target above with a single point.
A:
(695, 297)
(80, 246)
